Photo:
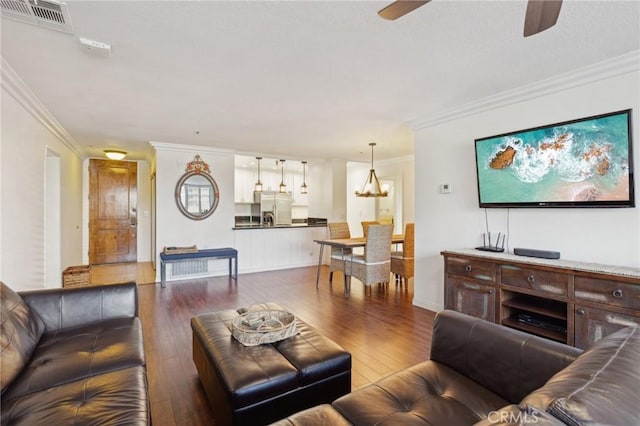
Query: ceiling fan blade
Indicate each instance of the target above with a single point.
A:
(400, 8)
(541, 15)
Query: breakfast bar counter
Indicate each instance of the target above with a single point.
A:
(265, 248)
(293, 225)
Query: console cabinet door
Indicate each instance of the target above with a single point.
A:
(593, 324)
(471, 298)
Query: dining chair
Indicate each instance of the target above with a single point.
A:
(336, 263)
(402, 263)
(374, 266)
(366, 224)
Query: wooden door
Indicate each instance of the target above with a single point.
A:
(112, 211)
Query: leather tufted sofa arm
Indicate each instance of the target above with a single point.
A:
(507, 362)
(64, 308)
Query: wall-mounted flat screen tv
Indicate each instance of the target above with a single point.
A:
(580, 163)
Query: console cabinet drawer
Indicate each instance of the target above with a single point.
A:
(592, 324)
(609, 292)
(471, 298)
(477, 269)
(534, 279)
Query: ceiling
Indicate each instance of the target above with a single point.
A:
(294, 79)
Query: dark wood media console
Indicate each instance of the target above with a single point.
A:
(575, 303)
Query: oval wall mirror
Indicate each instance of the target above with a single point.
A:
(197, 193)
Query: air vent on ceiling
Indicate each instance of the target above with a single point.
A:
(50, 14)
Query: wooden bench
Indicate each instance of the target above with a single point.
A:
(218, 253)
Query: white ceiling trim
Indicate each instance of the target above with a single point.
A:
(624, 64)
(165, 146)
(17, 88)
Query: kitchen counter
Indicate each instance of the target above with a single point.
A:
(266, 248)
(240, 226)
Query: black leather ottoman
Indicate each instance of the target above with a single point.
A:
(255, 385)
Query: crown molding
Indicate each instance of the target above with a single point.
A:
(624, 64)
(174, 147)
(18, 89)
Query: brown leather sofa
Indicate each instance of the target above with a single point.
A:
(483, 374)
(73, 356)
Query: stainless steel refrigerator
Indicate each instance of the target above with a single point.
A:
(275, 206)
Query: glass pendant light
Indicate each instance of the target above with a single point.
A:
(303, 187)
(371, 187)
(258, 187)
(283, 186)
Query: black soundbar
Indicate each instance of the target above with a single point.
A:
(544, 254)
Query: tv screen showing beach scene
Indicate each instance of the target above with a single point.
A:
(580, 163)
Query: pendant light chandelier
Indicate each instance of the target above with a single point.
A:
(283, 186)
(371, 187)
(303, 187)
(258, 187)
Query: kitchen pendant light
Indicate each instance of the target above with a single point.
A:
(303, 187)
(258, 187)
(114, 154)
(283, 186)
(371, 187)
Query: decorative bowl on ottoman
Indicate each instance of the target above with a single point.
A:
(261, 327)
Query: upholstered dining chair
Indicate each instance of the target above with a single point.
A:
(402, 263)
(375, 265)
(366, 224)
(338, 230)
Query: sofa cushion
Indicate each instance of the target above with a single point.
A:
(427, 393)
(21, 331)
(602, 386)
(81, 352)
(320, 415)
(116, 398)
(514, 415)
(478, 349)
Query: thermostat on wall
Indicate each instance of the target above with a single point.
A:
(445, 188)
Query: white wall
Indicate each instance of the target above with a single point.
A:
(402, 168)
(144, 212)
(339, 193)
(172, 227)
(358, 208)
(445, 152)
(27, 131)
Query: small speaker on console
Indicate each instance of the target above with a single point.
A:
(544, 254)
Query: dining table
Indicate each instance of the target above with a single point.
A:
(347, 243)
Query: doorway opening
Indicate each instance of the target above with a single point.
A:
(389, 208)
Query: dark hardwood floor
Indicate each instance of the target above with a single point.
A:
(380, 327)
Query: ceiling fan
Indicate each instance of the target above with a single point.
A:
(541, 14)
